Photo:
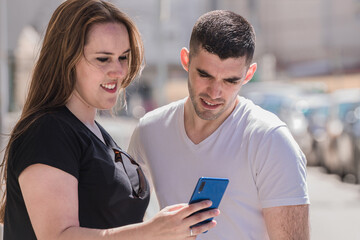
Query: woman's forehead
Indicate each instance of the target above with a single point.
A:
(108, 37)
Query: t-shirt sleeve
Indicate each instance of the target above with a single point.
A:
(48, 141)
(281, 170)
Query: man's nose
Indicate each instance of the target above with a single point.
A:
(214, 89)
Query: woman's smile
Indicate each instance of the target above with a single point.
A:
(109, 87)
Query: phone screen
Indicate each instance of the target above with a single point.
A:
(208, 188)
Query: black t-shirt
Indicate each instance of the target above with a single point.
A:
(60, 140)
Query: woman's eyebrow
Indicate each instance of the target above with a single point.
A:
(110, 53)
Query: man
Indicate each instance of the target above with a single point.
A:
(216, 133)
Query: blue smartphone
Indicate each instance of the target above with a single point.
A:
(209, 188)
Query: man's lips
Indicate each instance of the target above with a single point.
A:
(209, 105)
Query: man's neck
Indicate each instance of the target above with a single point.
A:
(198, 129)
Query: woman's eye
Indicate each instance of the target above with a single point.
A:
(102, 59)
(122, 58)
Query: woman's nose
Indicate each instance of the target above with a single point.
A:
(117, 70)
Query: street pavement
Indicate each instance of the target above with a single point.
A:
(335, 205)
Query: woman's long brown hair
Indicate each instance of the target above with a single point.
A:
(54, 76)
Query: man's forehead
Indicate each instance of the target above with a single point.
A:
(204, 53)
(210, 62)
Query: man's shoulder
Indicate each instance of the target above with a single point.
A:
(255, 116)
(163, 113)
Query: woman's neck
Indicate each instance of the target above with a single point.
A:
(83, 111)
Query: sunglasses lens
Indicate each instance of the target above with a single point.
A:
(142, 183)
(137, 178)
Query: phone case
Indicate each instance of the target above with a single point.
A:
(209, 188)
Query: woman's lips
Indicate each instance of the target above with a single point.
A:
(109, 87)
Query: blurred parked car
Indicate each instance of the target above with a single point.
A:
(317, 111)
(356, 140)
(341, 145)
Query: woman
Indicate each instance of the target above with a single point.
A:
(65, 176)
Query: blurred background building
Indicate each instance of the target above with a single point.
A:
(307, 46)
(295, 40)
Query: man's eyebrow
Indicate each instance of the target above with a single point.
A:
(230, 79)
(110, 53)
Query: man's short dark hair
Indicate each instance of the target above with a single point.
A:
(224, 33)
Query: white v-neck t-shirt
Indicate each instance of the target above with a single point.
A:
(252, 147)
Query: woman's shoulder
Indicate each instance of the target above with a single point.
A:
(52, 124)
(50, 140)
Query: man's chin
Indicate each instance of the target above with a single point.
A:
(207, 116)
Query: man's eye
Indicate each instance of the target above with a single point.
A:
(102, 59)
(203, 75)
(232, 82)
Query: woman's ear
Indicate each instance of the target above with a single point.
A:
(184, 57)
(250, 73)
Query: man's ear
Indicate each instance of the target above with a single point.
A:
(250, 73)
(184, 56)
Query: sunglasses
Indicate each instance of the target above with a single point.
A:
(138, 181)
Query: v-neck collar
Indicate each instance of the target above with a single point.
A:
(108, 140)
(189, 142)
